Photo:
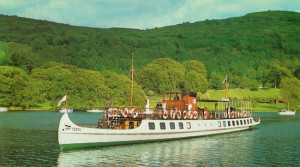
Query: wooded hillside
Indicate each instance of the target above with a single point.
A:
(238, 44)
(258, 49)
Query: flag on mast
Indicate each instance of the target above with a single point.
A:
(62, 100)
(225, 79)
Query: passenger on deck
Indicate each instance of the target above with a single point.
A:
(159, 106)
(176, 98)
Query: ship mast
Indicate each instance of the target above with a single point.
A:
(226, 86)
(131, 96)
(67, 103)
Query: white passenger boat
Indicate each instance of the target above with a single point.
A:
(96, 111)
(175, 120)
(286, 112)
(3, 109)
(176, 117)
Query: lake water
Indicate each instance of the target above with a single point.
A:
(30, 139)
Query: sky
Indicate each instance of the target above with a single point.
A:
(138, 14)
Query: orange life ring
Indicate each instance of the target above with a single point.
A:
(165, 114)
(232, 115)
(184, 114)
(225, 114)
(191, 115)
(125, 112)
(206, 114)
(245, 114)
(134, 113)
(196, 114)
(178, 113)
(173, 114)
(113, 112)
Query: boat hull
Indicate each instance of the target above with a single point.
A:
(3, 109)
(287, 113)
(73, 136)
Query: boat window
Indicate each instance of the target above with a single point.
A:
(241, 122)
(247, 121)
(219, 122)
(228, 123)
(131, 125)
(237, 123)
(244, 122)
(233, 124)
(224, 123)
(188, 125)
(172, 125)
(251, 121)
(162, 126)
(180, 125)
(151, 125)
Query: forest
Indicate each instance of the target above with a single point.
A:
(41, 61)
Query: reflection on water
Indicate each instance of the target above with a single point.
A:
(207, 151)
(30, 139)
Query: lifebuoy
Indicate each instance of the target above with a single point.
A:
(206, 114)
(225, 114)
(113, 111)
(245, 114)
(184, 115)
(134, 113)
(191, 115)
(125, 112)
(196, 114)
(232, 115)
(173, 114)
(178, 113)
(165, 114)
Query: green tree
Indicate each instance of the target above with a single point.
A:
(290, 91)
(163, 74)
(278, 72)
(194, 65)
(195, 82)
(215, 81)
(13, 83)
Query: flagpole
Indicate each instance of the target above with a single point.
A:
(226, 86)
(67, 103)
(131, 96)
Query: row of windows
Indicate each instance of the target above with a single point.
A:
(188, 124)
(237, 122)
(172, 125)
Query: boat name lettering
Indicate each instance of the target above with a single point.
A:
(76, 129)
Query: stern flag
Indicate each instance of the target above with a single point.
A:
(225, 79)
(62, 100)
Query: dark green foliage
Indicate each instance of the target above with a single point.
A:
(290, 92)
(161, 75)
(240, 43)
(195, 77)
(255, 49)
(215, 81)
(85, 88)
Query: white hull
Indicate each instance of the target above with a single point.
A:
(96, 111)
(3, 109)
(287, 113)
(71, 134)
